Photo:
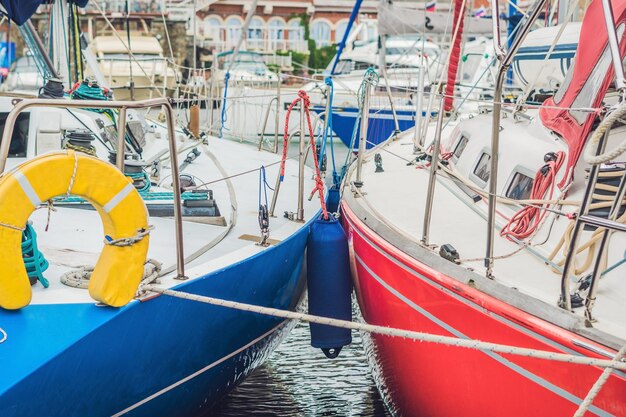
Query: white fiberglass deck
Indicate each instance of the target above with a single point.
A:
(75, 236)
(397, 197)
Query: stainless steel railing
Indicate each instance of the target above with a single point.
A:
(22, 105)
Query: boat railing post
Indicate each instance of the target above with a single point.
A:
(178, 204)
(429, 108)
(432, 178)
(121, 139)
(277, 115)
(419, 107)
(505, 63)
(616, 57)
(301, 161)
(277, 186)
(267, 115)
(565, 300)
(365, 111)
(595, 275)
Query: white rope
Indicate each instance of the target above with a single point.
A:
(131, 240)
(388, 331)
(4, 336)
(595, 389)
(589, 156)
(79, 278)
(10, 226)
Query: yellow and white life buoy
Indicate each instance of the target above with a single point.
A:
(119, 269)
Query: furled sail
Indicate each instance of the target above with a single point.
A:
(396, 20)
(20, 11)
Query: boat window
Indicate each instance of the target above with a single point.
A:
(19, 139)
(460, 147)
(483, 167)
(344, 66)
(520, 187)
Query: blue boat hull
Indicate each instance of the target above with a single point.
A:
(380, 124)
(161, 357)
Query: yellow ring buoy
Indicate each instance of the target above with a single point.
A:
(119, 269)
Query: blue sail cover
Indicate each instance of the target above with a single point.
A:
(20, 11)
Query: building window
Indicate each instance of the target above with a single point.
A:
(277, 34)
(233, 30)
(340, 31)
(212, 28)
(255, 33)
(320, 33)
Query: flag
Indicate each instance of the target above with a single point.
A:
(431, 6)
(480, 12)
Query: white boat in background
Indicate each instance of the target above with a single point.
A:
(23, 77)
(144, 73)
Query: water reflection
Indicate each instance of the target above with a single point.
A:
(298, 380)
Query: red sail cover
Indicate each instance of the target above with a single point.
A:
(575, 126)
(453, 66)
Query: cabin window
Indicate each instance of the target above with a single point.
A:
(460, 147)
(483, 167)
(19, 139)
(520, 187)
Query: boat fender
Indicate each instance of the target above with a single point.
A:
(119, 270)
(329, 284)
(332, 199)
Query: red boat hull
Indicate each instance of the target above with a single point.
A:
(425, 379)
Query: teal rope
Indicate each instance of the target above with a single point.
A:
(223, 114)
(141, 176)
(146, 196)
(370, 77)
(34, 261)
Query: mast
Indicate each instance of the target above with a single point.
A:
(342, 45)
(60, 46)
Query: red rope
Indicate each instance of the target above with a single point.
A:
(319, 183)
(526, 221)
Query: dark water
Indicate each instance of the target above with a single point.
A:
(299, 381)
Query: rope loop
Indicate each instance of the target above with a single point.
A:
(590, 155)
(129, 241)
(305, 101)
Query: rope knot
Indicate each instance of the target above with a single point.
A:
(306, 101)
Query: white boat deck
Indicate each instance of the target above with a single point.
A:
(75, 236)
(397, 197)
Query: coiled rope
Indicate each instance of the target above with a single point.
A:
(589, 154)
(79, 278)
(223, 113)
(34, 261)
(524, 223)
(388, 331)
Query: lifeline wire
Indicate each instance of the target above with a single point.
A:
(388, 331)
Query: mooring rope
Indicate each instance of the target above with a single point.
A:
(388, 331)
(595, 389)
